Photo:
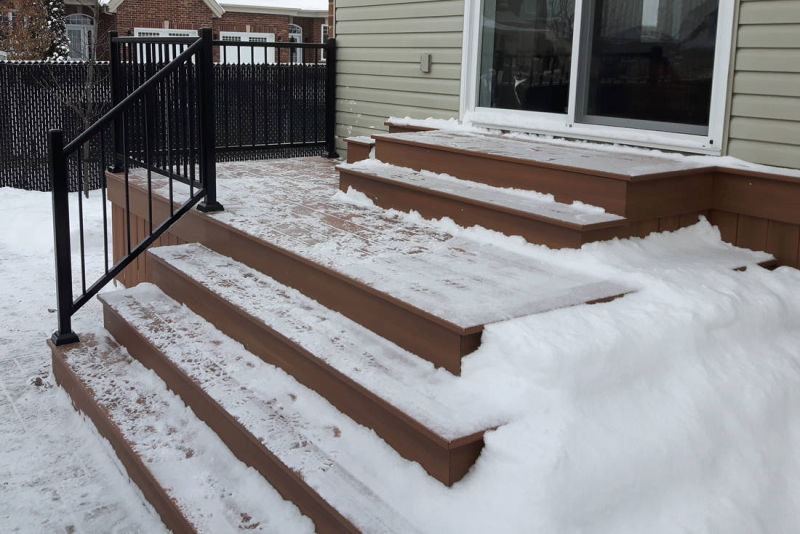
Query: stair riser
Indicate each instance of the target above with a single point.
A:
(445, 461)
(670, 196)
(438, 342)
(84, 401)
(565, 186)
(388, 195)
(242, 444)
(357, 152)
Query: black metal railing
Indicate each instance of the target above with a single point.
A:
(274, 95)
(162, 121)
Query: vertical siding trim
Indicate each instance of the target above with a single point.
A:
(726, 127)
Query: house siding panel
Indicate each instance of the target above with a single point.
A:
(380, 43)
(764, 125)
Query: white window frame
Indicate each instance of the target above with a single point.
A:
(163, 32)
(565, 125)
(231, 56)
(298, 52)
(323, 30)
(87, 31)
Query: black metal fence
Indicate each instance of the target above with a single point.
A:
(36, 97)
(264, 110)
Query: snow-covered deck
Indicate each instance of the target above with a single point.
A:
(295, 205)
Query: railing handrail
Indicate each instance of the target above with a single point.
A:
(112, 114)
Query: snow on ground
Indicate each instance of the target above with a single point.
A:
(56, 475)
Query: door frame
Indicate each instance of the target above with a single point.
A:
(566, 125)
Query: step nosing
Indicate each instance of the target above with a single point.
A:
(347, 332)
(265, 404)
(148, 414)
(611, 223)
(453, 327)
(422, 139)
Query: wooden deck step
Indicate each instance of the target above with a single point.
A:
(418, 411)
(314, 455)
(532, 215)
(359, 148)
(633, 185)
(408, 282)
(181, 466)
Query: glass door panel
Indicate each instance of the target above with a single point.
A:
(526, 52)
(649, 64)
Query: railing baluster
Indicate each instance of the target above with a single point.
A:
(126, 170)
(103, 191)
(330, 98)
(80, 219)
(292, 53)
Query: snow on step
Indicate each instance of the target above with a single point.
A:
(595, 161)
(432, 397)
(528, 202)
(214, 490)
(443, 275)
(343, 462)
(360, 140)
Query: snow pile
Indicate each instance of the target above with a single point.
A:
(675, 408)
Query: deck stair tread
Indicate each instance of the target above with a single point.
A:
(300, 428)
(212, 489)
(432, 397)
(613, 164)
(414, 263)
(522, 202)
(361, 140)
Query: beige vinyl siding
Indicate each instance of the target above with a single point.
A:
(378, 74)
(765, 101)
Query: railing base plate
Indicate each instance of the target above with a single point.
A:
(208, 207)
(67, 338)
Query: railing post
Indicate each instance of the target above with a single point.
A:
(59, 184)
(330, 97)
(116, 97)
(208, 141)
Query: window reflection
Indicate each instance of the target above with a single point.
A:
(652, 60)
(526, 52)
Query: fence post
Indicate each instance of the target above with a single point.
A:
(208, 141)
(116, 97)
(330, 97)
(60, 186)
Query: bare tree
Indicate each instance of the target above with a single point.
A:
(86, 100)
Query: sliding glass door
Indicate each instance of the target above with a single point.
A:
(591, 65)
(649, 64)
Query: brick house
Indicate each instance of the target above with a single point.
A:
(89, 21)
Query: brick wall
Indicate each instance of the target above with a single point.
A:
(181, 14)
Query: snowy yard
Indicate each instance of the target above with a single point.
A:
(673, 409)
(55, 476)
